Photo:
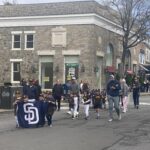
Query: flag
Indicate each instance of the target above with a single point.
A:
(31, 114)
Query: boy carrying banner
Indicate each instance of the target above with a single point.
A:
(18, 97)
(51, 107)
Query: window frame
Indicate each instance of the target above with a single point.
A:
(12, 69)
(13, 33)
(26, 35)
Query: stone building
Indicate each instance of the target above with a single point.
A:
(59, 40)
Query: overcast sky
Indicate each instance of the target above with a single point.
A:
(45, 1)
(38, 1)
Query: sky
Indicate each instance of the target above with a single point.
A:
(37, 1)
(46, 1)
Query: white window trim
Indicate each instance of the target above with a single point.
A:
(15, 33)
(29, 32)
(25, 44)
(12, 61)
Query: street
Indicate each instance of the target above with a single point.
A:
(131, 133)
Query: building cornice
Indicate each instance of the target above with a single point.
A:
(74, 19)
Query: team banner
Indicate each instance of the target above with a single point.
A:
(31, 114)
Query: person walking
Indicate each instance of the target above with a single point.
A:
(74, 93)
(125, 92)
(51, 107)
(136, 92)
(97, 102)
(85, 86)
(57, 92)
(86, 100)
(113, 87)
(18, 98)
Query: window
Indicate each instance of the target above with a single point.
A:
(16, 71)
(134, 68)
(16, 40)
(109, 55)
(29, 40)
(142, 56)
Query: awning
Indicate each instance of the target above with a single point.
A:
(110, 69)
(144, 68)
(129, 71)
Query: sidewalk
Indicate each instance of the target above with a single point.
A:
(6, 110)
(144, 93)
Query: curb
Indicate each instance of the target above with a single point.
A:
(6, 111)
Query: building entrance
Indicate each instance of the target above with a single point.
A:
(46, 75)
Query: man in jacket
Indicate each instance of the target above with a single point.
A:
(113, 88)
(58, 93)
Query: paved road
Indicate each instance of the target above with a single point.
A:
(131, 133)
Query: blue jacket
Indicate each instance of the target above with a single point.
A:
(31, 92)
(113, 88)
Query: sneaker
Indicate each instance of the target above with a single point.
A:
(98, 117)
(50, 125)
(86, 118)
(17, 126)
(69, 112)
(119, 117)
(77, 116)
(124, 111)
(110, 120)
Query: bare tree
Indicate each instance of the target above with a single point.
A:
(9, 2)
(134, 18)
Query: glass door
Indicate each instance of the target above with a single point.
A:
(71, 70)
(46, 75)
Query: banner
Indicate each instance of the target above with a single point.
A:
(31, 114)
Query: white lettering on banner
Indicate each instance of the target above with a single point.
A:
(32, 115)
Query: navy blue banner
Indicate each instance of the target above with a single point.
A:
(31, 114)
